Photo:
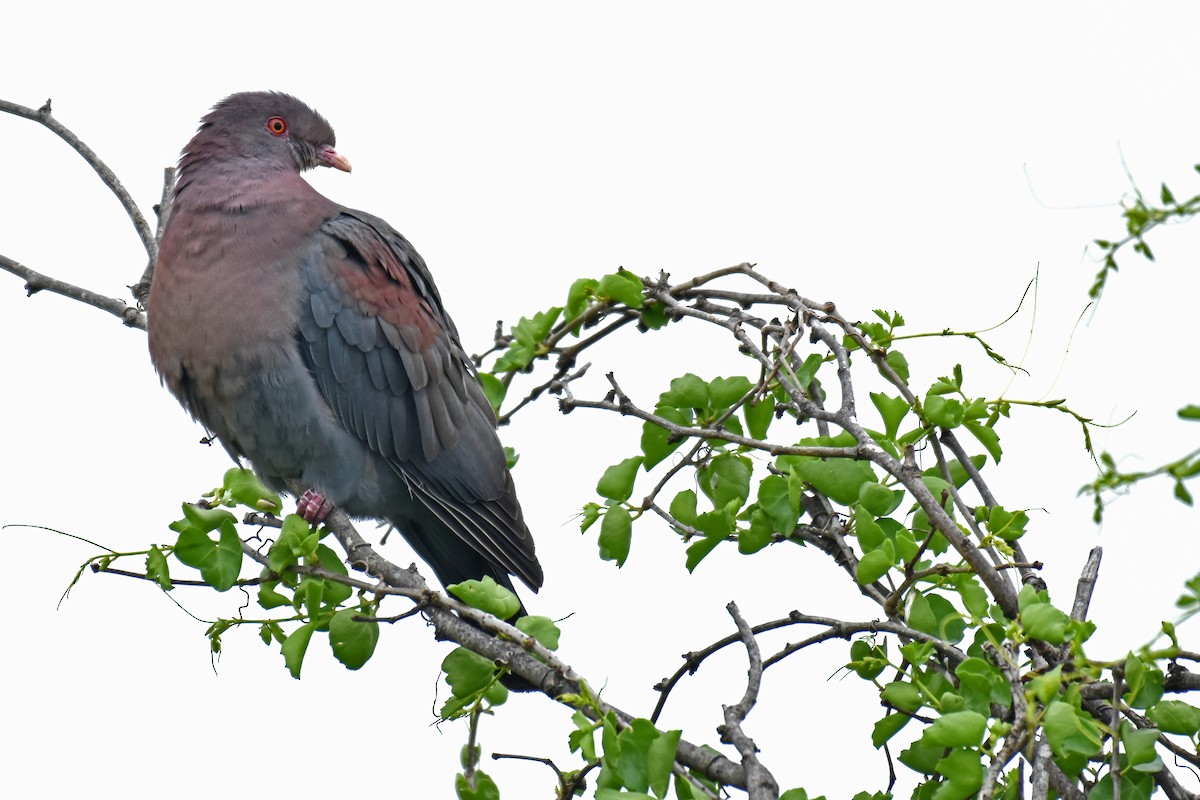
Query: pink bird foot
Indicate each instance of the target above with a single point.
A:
(313, 507)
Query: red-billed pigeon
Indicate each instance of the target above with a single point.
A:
(311, 340)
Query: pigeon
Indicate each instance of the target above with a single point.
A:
(311, 341)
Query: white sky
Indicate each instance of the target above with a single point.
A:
(924, 160)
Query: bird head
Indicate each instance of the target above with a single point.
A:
(270, 128)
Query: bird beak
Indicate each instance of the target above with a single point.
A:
(331, 158)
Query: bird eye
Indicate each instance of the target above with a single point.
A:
(277, 126)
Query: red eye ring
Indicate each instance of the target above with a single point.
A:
(277, 126)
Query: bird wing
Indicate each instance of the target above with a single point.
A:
(388, 361)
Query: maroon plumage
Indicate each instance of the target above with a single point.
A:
(312, 341)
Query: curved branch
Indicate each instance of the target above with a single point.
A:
(36, 282)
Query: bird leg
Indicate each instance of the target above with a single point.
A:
(312, 507)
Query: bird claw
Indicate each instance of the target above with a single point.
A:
(312, 507)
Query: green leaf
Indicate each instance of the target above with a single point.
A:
(660, 759)
(295, 645)
(516, 358)
(759, 415)
(683, 507)
(892, 410)
(622, 286)
(757, 536)
(838, 479)
(654, 315)
(903, 696)
(943, 412)
(530, 331)
(724, 392)
(1175, 716)
(484, 789)
(245, 487)
(157, 569)
(1044, 621)
(617, 794)
(541, 628)
(353, 642)
(488, 596)
(617, 481)
(687, 391)
(934, 614)
(1144, 683)
(963, 771)
(494, 389)
(717, 526)
(875, 564)
(899, 364)
(726, 480)
(775, 502)
(467, 673)
(269, 598)
(879, 500)
(987, 436)
(1071, 732)
(1190, 411)
(616, 534)
(579, 296)
(219, 562)
(959, 729)
(886, 728)
(656, 440)
(1141, 747)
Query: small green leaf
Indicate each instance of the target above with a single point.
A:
(467, 673)
(1190, 411)
(687, 391)
(899, 364)
(959, 729)
(963, 771)
(717, 526)
(617, 481)
(1175, 716)
(759, 415)
(656, 440)
(987, 436)
(245, 487)
(541, 628)
(488, 596)
(494, 389)
(892, 410)
(875, 564)
(579, 295)
(886, 728)
(839, 479)
(726, 480)
(616, 535)
(757, 536)
(1044, 621)
(903, 696)
(484, 787)
(775, 502)
(944, 412)
(622, 287)
(683, 507)
(157, 569)
(1071, 732)
(295, 645)
(353, 642)
(724, 392)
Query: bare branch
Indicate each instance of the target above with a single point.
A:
(760, 784)
(36, 282)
